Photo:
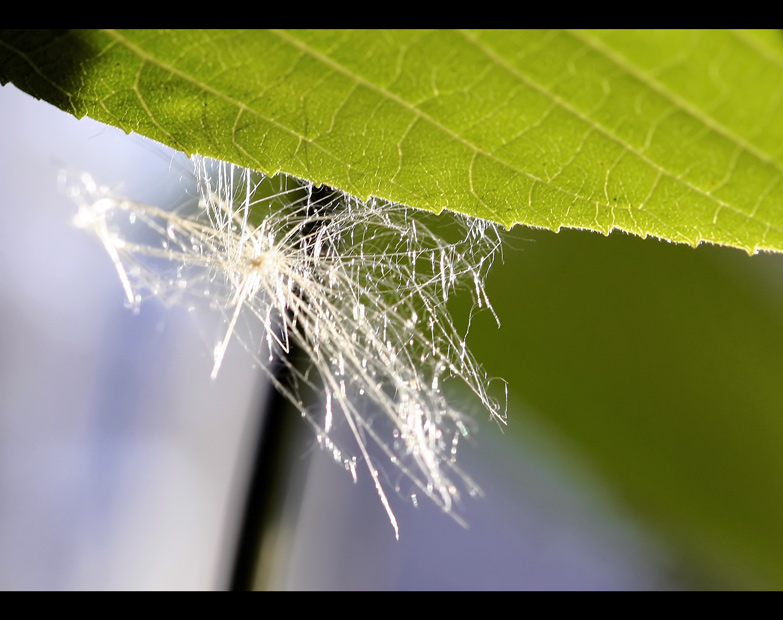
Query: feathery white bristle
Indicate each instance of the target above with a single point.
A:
(359, 287)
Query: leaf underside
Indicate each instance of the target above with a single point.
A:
(673, 134)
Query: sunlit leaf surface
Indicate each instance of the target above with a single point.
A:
(674, 134)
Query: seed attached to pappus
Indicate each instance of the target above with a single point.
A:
(361, 288)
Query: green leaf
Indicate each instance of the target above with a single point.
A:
(662, 365)
(675, 134)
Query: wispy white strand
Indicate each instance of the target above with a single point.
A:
(359, 287)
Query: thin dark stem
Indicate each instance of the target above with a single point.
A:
(261, 482)
(271, 475)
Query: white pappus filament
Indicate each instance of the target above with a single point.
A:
(359, 288)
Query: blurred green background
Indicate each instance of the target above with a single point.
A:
(661, 364)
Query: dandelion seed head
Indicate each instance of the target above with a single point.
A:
(359, 288)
